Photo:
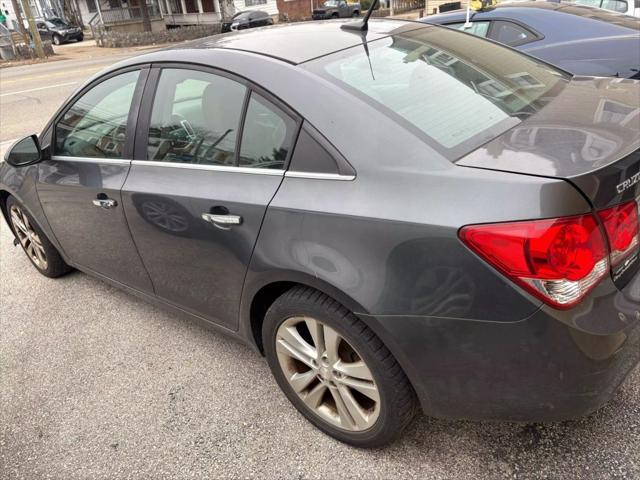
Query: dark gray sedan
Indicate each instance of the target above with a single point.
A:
(431, 221)
(582, 40)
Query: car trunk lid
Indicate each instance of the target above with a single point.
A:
(588, 135)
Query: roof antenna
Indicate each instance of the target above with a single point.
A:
(361, 25)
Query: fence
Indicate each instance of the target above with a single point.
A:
(114, 16)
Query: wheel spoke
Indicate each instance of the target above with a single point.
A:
(366, 388)
(356, 412)
(40, 254)
(331, 341)
(17, 222)
(25, 220)
(343, 412)
(314, 397)
(354, 369)
(300, 381)
(30, 250)
(292, 344)
(317, 333)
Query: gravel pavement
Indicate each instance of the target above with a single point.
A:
(97, 384)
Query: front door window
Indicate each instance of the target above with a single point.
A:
(95, 125)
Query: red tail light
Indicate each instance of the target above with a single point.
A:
(557, 260)
(621, 224)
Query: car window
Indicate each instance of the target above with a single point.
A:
(41, 25)
(590, 3)
(195, 118)
(455, 91)
(615, 5)
(510, 33)
(95, 126)
(477, 28)
(267, 135)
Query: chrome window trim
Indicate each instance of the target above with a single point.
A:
(320, 176)
(214, 168)
(113, 161)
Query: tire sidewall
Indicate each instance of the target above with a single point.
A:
(375, 436)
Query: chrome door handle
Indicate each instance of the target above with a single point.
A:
(105, 203)
(222, 220)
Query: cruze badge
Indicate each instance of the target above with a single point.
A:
(628, 183)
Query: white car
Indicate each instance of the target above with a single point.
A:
(628, 7)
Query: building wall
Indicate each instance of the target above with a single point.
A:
(296, 9)
(271, 6)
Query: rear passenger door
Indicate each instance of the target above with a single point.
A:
(209, 157)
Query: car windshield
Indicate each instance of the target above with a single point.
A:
(56, 22)
(454, 90)
(330, 3)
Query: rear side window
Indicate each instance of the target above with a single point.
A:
(510, 33)
(195, 118)
(477, 28)
(453, 90)
(267, 135)
(95, 125)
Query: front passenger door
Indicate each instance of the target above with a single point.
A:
(205, 169)
(79, 186)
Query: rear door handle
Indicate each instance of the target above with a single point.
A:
(105, 203)
(222, 220)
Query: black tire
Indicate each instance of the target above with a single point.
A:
(356, 14)
(335, 15)
(56, 40)
(397, 398)
(56, 266)
(80, 38)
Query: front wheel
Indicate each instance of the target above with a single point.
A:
(335, 370)
(356, 14)
(80, 38)
(56, 40)
(35, 244)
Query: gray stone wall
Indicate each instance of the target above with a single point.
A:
(111, 39)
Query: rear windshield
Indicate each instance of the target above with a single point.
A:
(451, 88)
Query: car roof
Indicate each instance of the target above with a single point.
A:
(300, 42)
(546, 15)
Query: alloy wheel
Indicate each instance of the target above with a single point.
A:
(327, 373)
(28, 238)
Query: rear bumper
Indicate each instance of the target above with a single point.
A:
(542, 368)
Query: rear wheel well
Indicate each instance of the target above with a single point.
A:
(4, 195)
(261, 303)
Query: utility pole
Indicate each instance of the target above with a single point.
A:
(18, 14)
(35, 34)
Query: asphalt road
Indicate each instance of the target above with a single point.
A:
(30, 95)
(95, 383)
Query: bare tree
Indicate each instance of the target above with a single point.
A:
(227, 9)
(35, 34)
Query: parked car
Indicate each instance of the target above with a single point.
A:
(628, 7)
(582, 40)
(58, 31)
(434, 220)
(248, 19)
(336, 9)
